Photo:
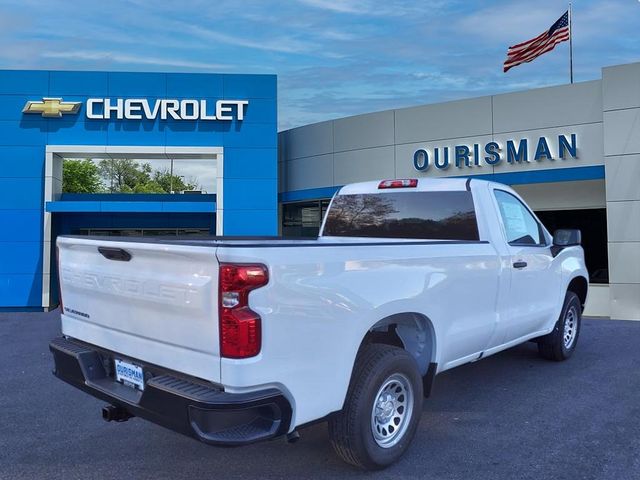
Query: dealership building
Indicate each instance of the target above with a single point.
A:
(572, 151)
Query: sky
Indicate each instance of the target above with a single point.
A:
(333, 58)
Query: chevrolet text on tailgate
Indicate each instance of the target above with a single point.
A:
(233, 341)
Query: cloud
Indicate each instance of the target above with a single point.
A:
(340, 6)
(376, 7)
(102, 56)
(277, 44)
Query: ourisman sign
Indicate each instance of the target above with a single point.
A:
(493, 153)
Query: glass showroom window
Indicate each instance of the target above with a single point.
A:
(303, 219)
(130, 175)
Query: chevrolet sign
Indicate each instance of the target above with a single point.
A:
(51, 107)
(142, 109)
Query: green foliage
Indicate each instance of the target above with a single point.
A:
(120, 176)
(80, 176)
(123, 176)
(168, 182)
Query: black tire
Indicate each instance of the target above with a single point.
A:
(352, 430)
(553, 346)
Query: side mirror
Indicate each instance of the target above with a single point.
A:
(565, 238)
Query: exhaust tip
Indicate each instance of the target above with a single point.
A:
(293, 437)
(111, 413)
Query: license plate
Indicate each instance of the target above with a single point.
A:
(129, 374)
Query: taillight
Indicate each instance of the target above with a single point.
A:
(402, 183)
(59, 282)
(240, 327)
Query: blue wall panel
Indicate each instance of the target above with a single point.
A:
(136, 132)
(20, 257)
(15, 82)
(197, 134)
(21, 290)
(249, 86)
(250, 162)
(27, 132)
(21, 193)
(77, 132)
(22, 161)
(246, 222)
(24, 225)
(94, 84)
(249, 194)
(126, 84)
(261, 110)
(11, 108)
(250, 186)
(255, 134)
(187, 85)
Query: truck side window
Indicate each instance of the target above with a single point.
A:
(520, 226)
(421, 215)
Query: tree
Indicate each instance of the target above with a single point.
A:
(124, 175)
(174, 183)
(80, 176)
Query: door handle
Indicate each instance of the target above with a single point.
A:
(519, 264)
(118, 254)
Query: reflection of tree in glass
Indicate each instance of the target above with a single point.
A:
(121, 176)
(80, 176)
(371, 215)
(367, 210)
(128, 176)
(458, 226)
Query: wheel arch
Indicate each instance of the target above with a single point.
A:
(410, 331)
(580, 286)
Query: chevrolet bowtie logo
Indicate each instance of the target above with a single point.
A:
(51, 107)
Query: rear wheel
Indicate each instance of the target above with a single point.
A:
(561, 342)
(382, 408)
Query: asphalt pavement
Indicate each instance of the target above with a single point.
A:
(510, 416)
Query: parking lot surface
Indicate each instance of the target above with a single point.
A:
(510, 416)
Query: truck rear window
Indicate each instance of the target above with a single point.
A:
(420, 215)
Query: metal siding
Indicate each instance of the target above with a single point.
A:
(563, 105)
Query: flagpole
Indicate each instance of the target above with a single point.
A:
(570, 44)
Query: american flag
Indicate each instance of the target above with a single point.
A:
(546, 41)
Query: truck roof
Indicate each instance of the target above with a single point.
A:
(424, 185)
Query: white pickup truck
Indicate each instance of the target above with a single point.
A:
(233, 341)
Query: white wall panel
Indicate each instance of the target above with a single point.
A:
(315, 139)
(624, 263)
(464, 118)
(623, 177)
(625, 301)
(545, 107)
(363, 165)
(623, 222)
(363, 131)
(622, 132)
(310, 172)
(622, 86)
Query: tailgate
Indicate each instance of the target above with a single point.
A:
(159, 305)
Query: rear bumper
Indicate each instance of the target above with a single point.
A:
(183, 404)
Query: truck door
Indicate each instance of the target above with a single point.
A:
(535, 287)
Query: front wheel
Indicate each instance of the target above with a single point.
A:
(382, 408)
(561, 342)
